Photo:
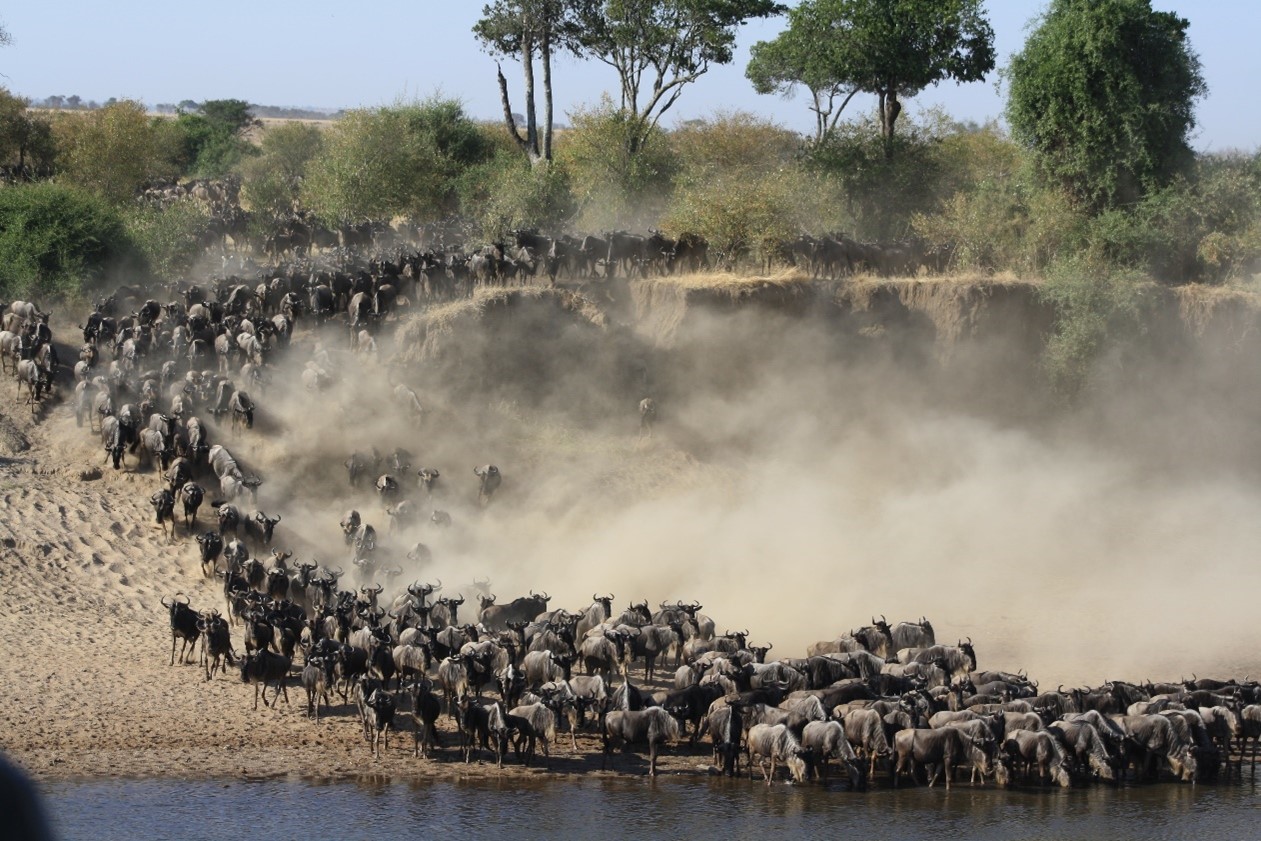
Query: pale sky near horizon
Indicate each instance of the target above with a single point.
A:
(337, 55)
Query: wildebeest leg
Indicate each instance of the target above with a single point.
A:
(256, 697)
(172, 649)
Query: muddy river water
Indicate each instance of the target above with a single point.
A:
(620, 808)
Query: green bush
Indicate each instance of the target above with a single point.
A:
(403, 160)
(883, 182)
(272, 180)
(614, 188)
(171, 238)
(57, 241)
(508, 193)
(1094, 305)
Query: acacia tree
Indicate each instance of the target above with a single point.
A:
(524, 29)
(658, 47)
(1104, 93)
(890, 48)
(807, 53)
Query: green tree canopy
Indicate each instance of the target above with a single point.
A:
(658, 47)
(272, 181)
(214, 136)
(399, 160)
(57, 240)
(807, 53)
(890, 48)
(113, 150)
(25, 138)
(1104, 93)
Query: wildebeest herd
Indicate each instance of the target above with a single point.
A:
(881, 701)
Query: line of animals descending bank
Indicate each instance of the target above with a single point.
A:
(885, 701)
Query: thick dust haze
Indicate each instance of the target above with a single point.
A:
(799, 479)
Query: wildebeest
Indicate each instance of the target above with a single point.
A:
(216, 642)
(489, 479)
(263, 667)
(210, 545)
(183, 625)
(1038, 750)
(824, 741)
(540, 726)
(191, 495)
(163, 503)
(940, 751)
(653, 727)
(772, 744)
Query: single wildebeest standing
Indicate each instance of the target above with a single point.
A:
(653, 727)
(490, 480)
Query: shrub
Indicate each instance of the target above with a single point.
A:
(56, 241)
(171, 238)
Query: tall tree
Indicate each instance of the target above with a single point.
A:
(807, 53)
(1104, 92)
(890, 48)
(524, 30)
(658, 47)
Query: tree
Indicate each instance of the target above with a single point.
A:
(523, 29)
(214, 138)
(1104, 93)
(399, 160)
(23, 136)
(273, 179)
(112, 151)
(58, 240)
(807, 54)
(658, 47)
(890, 48)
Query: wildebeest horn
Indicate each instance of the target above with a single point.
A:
(882, 619)
(165, 603)
(594, 597)
(186, 599)
(769, 646)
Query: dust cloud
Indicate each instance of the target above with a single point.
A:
(797, 482)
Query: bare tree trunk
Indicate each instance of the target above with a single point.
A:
(546, 52)
(531, 123)
(522, 142)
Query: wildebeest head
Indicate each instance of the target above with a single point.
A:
(427, 478)
(266, 524)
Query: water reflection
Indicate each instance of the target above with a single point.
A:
(617, 807)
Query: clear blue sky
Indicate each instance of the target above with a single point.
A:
(338, 54)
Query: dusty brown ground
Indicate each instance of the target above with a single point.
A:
(87, 689)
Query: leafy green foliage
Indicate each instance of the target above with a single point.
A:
(112, 151)
(613, 186)
(400, 160)
(1095, 305)
(171, 238)
(995, 214)
(809, 54)
(507, 193)
(658, 47)
(58, 241)
(883, 181)
(214, 138)
(1104, 93)
(738, 186)
(272, 180)
(25, 138)
(891, 48)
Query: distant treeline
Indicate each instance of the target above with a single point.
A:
(188, 106)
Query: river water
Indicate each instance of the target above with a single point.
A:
(276, 810)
